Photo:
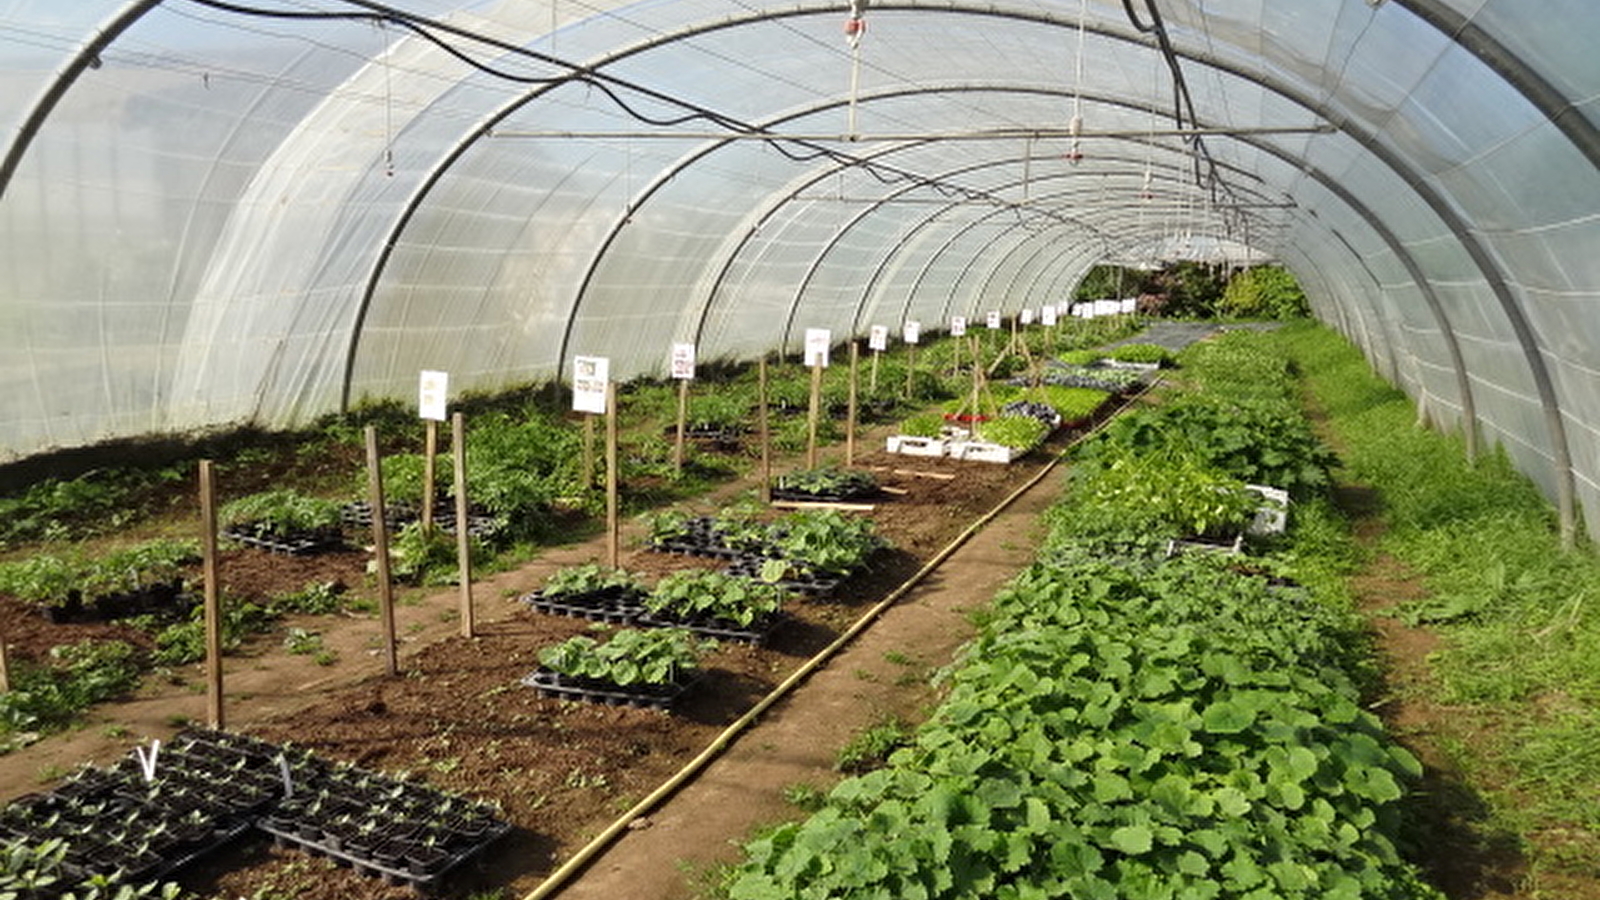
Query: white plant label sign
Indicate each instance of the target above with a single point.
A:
(958, 326)
(817, 342)
(1130, 304)
(1084, 310)
(1107, 307)
(1027, 317)
(1047, 316)
(433, 393)
(992, 320)
(912, 332)
(878, 338)
(589, 377)
(683, 362)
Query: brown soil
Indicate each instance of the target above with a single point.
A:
(458, 716)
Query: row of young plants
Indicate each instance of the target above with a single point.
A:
(154, 813)
(1130, 724)
(1132, 727)
(1516, 661)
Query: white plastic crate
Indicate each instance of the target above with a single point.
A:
(915, 446)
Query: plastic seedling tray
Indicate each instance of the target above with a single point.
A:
(564, 687)
(610, 607)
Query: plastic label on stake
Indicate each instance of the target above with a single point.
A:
(1047, 316)
(1107, 307)
(992, 320)
(878, 338)
(818, 341)
(683, 362)
(1027, 316)
(1130, 304)
(589, 377)
(912, 332)
(958, 326)
(433, 393)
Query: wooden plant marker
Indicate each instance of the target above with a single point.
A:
(813, 415)
(764, 427)
(613, 542)
(850, 416)
(458, 451)
(430, 462)
(588, 450)
(212, 597)
(380, 540)
(683, 417)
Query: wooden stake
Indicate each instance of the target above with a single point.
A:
(380, 541)
(5, 669)
(813, 416)
(613, 541)
(213, 603)
(850, 415)
(911, 367)
(764, 427)
(588, 451)
(872, 381)
(683, 417)
(458, 450)
(430, 462)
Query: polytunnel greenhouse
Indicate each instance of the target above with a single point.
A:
(861, 314)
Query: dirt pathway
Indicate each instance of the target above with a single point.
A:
(884, 672)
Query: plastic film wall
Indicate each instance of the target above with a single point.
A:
(260, 211)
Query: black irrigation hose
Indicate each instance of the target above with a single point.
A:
(586, 854)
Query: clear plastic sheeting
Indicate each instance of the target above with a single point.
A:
(263, 211)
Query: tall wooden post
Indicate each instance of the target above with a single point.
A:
(380, 540)
(458, 450)
(763, 425)
(212, 597)
(430, 462)
(850, 414)
(613, 541)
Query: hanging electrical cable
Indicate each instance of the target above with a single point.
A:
(1075, 124)
(855, 28)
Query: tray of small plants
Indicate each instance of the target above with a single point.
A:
(161, 808)
(826, 484)
(144, 579)
(590, 591)
(629, 667)
(283, 521)
(715, 605)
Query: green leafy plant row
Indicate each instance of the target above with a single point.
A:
(1119, 731)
